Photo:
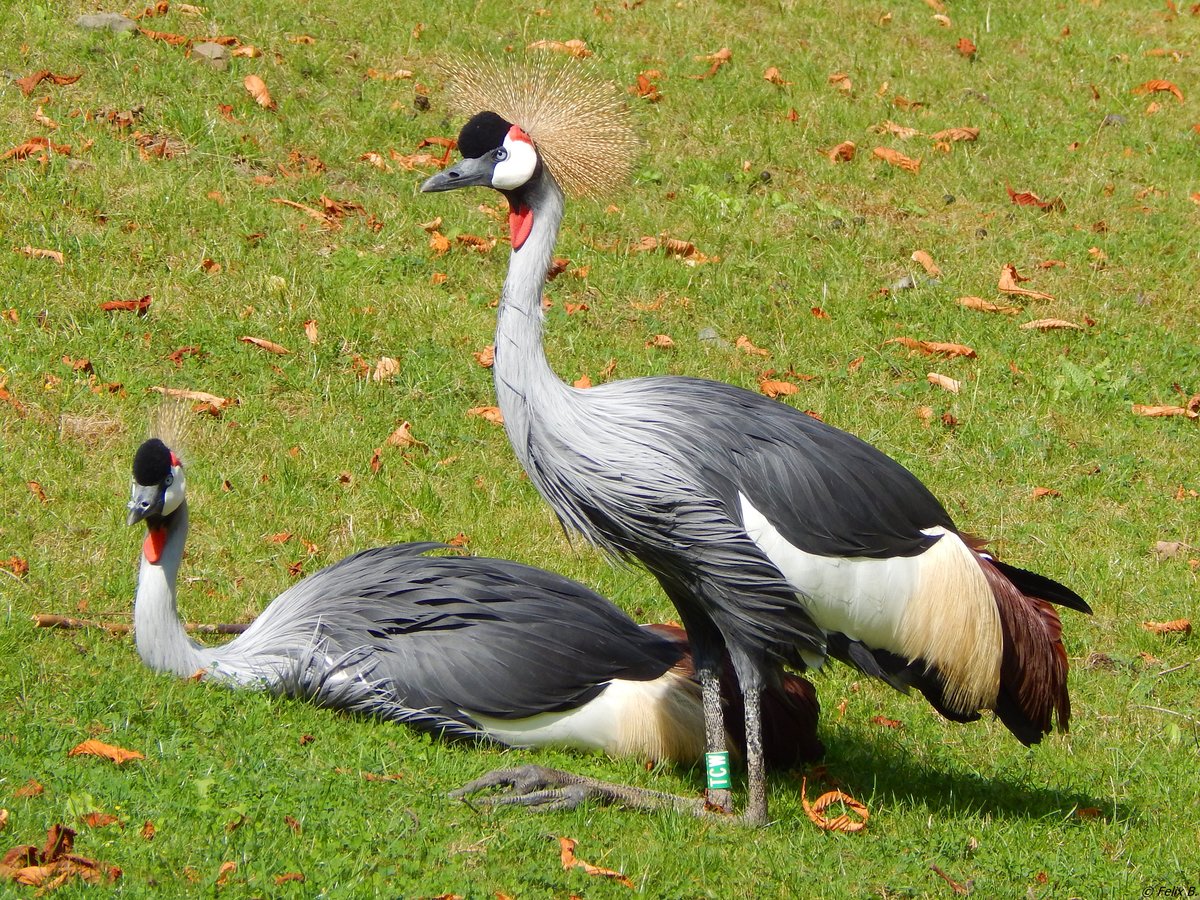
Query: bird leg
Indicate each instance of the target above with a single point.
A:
(553, 789)
(720, 799)
(756, 778)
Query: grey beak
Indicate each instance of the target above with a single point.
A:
(468, 173)
(146, 501)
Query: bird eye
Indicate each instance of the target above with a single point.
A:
(500, 154)
(168, 480)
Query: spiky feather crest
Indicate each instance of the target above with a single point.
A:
(169, 423)
(579, 122)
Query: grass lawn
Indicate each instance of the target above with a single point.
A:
(239, 220)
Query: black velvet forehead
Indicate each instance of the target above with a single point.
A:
(151, 463)
(484, 132)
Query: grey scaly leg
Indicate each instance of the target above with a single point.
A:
(714, 732)
(756, 778)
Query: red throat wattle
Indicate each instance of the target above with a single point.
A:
(156, 540)
(520, 223)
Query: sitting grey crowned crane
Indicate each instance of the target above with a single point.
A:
(779, 539)
(464, 647)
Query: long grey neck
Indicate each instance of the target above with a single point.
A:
(161, 639)
(522, 374)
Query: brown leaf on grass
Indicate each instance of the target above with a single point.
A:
(31, 788)
(40, 253)
(1050, 325)
(385, 369)
(376, 459)
(310, 331)
(205, 401)
(167, 37)
(662, 341)
(776, 389)
(966, 47)
(438, 243)
(885, 722)
(570, 861)
(961, 890)
(17, 565)
(489, 413)
(7, 397)
(118, 755)
(42, 119)
(83, 364)
(280, 537)
(289, 876)
(1190, 410)
(1156, 85)
(257, 88)
(97, 819)
(35, 488)
(574, 47)
(966, 133)
(843, 152)
(139, 306)
(583, 381)
(394, 75)
(1040, 492)
(36, 146)
(843, 822)
(775, 77)
(889, 127)
(925, 261)
(744, 343)
(486, 357)
(301, 39)
(897, 159)
(264, 344)
(717, 60)
(841, 81)
(978, 303)
(3, 818)
(227, 869)
(945, 382)
(645, 88)
(31, 81)
(148, 831)
(904, 103)
(1178, 626)
(933, 348)
(1025, 198)
(1010, 284)
(177, 356)
(158, 9)
(402, 437)
(476, 243)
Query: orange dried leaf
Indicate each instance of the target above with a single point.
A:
(17, 565)
(31, 81)
(385, 369)
(885, 722)
(775, 77)
(118, 755)
(744, 343)
(257, 89)
(898, 159)
(645, 88)
(569, 861)
(486, 357)
(175, 40)
(843, 152)
(31, 788)
(1050, 325)
(662, 341)
(40, 253)
(289, 876)
(1156, 85)
(966, 133)
(1025, 198)
(1040, 492)
(816, 810)
(98, 819)
(207, 402)
(717, 59)
(978, 303)
(776, 389)
(1191, 411)
(901, 131)
(966, 47)
(438, 243)
(1178, 626)
(36, 489)
(402, 437)
(926, 262)
(139, 306)
(933, 348)
(310, 331)
(489, 413)
(1009, 284)
(264, 344)
(944, 382)
(574, 47)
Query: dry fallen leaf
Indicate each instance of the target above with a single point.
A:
(40, 253)
(35, 488)
(31, 788)
(978, 303)
(774, 76)
(889, 127)
(486, 357)
(118, 755)
(926, 262)
(1010, 284)
(264, 344)
(1178, 626)
(139, 306)
(1025, 198)
(490, 413)
(944, 382)
(258, 90)
(645, 88)
(386, 369)
(98, 819)
(310, 331)
(402, 437)
(886, 722)
(933, 348)
(206, 402)
(966, 47)
(843, 152)
(1040, 492)
(1190, 410)
(744, 343)
(841, 81)
(574, 47)
(31, 81)
(776, 389)
(1157, 85)
(662, 341)
(816, 810)
(717, 59)
(1050, 325)
(569, 861)
(898, 159)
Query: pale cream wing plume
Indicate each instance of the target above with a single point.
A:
(170, 422)
(578, 121)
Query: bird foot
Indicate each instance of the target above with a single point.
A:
(549, 790)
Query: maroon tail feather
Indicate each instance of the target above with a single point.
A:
(789, 711)
(1033, 669)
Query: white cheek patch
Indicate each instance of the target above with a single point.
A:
(517, 168)
(173, 495)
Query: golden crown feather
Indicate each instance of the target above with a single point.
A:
(578, 121)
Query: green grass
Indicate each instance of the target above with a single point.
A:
(968, 799)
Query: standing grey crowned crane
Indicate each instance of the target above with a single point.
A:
(463, 647)
(779, 539)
